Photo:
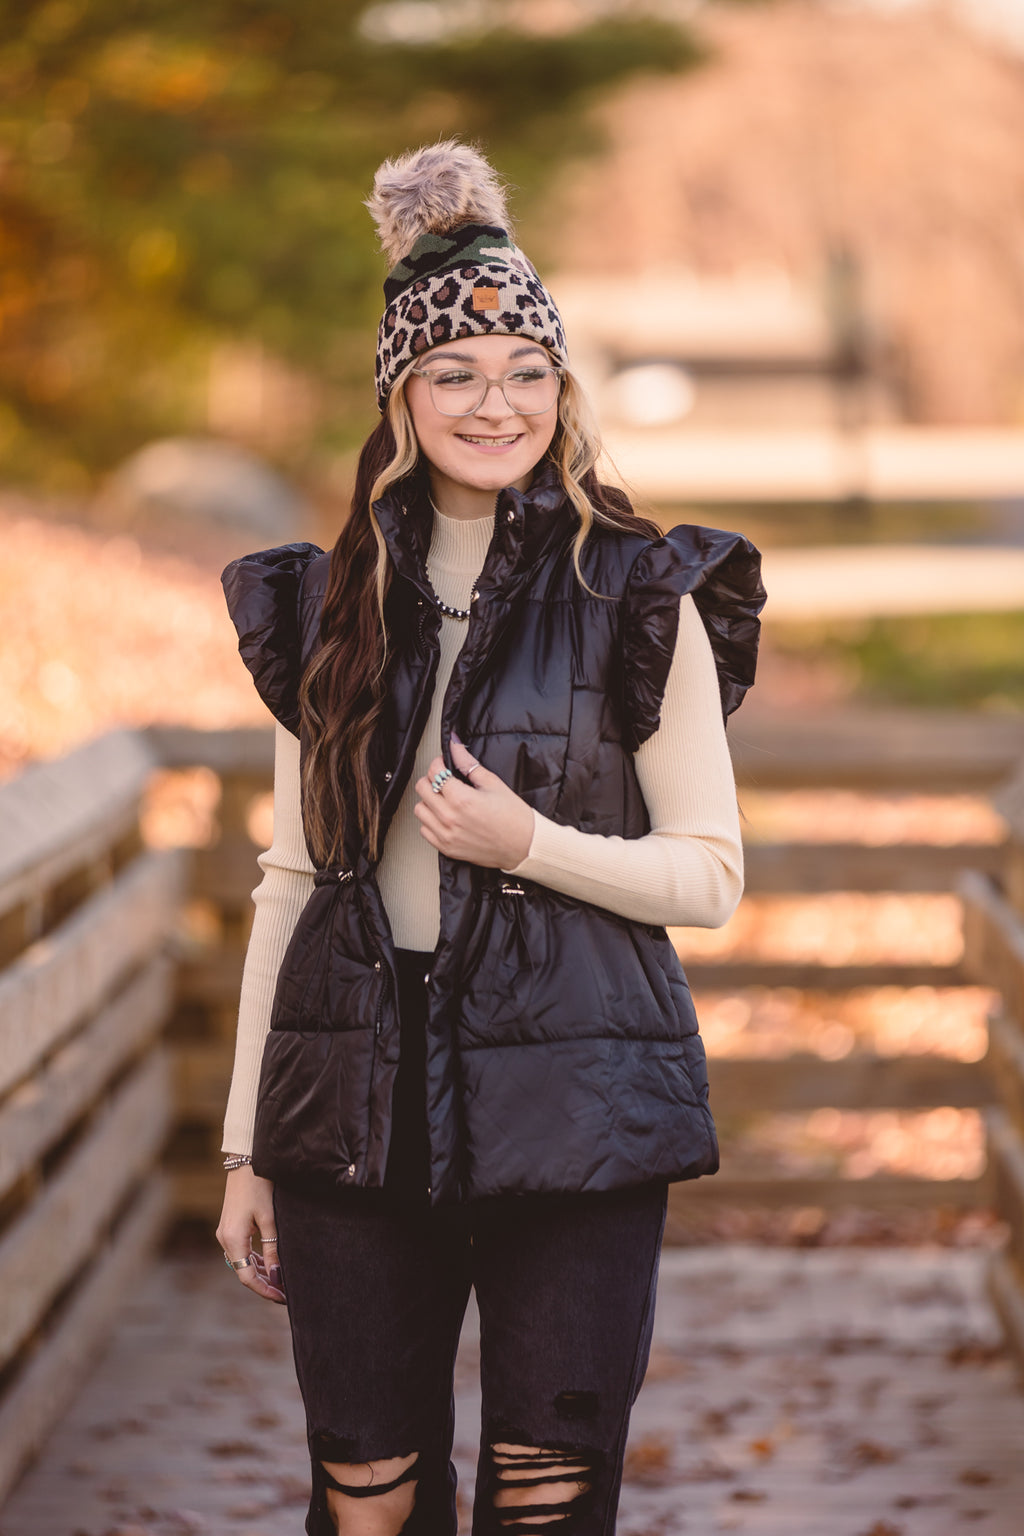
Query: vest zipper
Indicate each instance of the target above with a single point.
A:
(379, 967)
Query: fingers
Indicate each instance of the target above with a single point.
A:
(266, 1278)
(271, 1263)
(467, 764)
(474, 776)
(257, 1271)
(438, 803)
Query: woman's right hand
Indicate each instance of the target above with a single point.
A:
(248, 1212)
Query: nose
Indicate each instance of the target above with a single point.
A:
(494, 406)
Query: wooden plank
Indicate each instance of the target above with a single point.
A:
(813, 867)
(1008, 800)
(993, 941)
(1006, 1292)
(228, 874)
(214, 978)
(730, 975)
(50, 1379)
(38, 1113)
(1006, 1064)
(246, 749)
(60, 815)
(739, 1085)
(64, 977)
(802, 1081)
(201, 1073)
(880, 1192)
(197, 1192)
(43, 1248)
(1006, 1175)
(853, 748)
(925, 751)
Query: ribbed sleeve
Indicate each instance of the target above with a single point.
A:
(279, 898)
(688, 870)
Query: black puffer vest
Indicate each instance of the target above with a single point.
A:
(562, 1045)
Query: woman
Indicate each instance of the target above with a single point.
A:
(467, 1055)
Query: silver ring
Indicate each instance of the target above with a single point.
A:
(440, 779)
(237, 1264)
(472, 770)
(269, 1242)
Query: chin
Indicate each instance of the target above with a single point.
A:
(491, 477)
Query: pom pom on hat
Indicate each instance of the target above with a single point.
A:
(433, 191)
(456, 270)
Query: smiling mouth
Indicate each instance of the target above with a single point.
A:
(491, 442)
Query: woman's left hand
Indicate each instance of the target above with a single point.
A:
(481, 821)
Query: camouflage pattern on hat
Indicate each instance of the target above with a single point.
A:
(473, 281)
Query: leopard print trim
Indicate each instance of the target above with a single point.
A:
(472, 284)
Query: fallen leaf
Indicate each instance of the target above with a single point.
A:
(233, 1448)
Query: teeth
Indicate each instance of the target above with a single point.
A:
(491, 442)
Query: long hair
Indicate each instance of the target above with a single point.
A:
(343, 689)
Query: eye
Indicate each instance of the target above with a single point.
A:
(452, 378)
(528, 375)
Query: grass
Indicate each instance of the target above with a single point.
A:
(960, 661)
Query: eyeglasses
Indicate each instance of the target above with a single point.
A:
(528, 391)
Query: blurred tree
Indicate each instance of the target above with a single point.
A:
(179, 173)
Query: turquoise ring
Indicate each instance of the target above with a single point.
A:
(440, 779)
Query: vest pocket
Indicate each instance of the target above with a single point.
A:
(501, 963)
(322, 986)
(311, 1115)
(542, 967)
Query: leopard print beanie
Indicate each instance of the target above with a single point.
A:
(456, 271)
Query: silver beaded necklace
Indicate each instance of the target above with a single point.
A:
(461, 614)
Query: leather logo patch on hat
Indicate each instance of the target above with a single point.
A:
(485, 298)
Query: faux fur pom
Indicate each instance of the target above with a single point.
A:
(431, 191)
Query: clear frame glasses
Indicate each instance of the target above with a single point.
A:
(528, 390)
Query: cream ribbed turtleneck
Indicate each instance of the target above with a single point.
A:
(688, 870)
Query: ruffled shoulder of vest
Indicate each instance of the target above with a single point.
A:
(722, 571)
(262, 593)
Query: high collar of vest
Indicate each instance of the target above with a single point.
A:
(527, 524)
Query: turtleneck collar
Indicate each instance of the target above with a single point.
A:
(459, 544)
(524, 525)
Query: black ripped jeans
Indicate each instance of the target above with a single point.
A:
(377, 1286)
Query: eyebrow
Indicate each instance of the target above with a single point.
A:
(470, 357)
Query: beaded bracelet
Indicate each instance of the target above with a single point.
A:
(237, 1160)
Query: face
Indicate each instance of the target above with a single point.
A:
(494, 447)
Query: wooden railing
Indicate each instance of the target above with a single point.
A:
(120, 966)
(994, 955)
(871, 753)
(86, 915)
(201, 1029)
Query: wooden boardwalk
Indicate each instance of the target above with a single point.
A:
(828, 1392)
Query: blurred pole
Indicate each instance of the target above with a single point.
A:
(850, 369)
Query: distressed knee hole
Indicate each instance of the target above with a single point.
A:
(539, 1486)
(392, 1480)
